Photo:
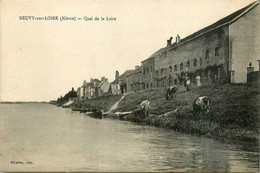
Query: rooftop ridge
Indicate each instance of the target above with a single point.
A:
(224, 21)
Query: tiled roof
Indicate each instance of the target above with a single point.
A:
(138, 70)
(123, 76)
(227, 20)
(105, 87)
(101, 83)
(156, 53)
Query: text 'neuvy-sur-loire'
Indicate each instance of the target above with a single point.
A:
(68, 18)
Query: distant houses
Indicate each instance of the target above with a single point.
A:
(115, 86)
(129, 81)
(94, 89)
(134, 80)
(104, 88)
(226, 51)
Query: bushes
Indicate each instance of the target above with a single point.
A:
(244, 116)
(137, 116)
(70, 94)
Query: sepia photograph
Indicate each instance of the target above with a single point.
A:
(129, 86)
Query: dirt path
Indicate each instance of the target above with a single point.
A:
(115, 105)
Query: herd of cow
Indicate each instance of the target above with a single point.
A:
(201, 105)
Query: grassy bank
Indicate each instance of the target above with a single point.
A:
(234, 110)
(103, 103)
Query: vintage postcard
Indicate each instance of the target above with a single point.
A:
(129, 86)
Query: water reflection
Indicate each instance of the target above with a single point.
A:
(62, 140)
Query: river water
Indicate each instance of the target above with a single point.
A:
(49, 138)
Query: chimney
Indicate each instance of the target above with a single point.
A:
(103, 78)
(84, 82)
(169, 42)
(137, 66)
(250, 69)
(91, 80)
(178, 39)
(117, 75)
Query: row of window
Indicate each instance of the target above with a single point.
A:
(147, 70)
(195, 64)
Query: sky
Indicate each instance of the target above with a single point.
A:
(43, 59)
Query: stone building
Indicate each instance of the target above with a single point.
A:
(148, 71)
(219, 52)
(88, 90)
(121, 82)
(115, 87)
(134, 80)
(80, 93)
(104, 87)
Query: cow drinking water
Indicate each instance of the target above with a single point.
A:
(201, 105)
(145, 106)
(170, 92)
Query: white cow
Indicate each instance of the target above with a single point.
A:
(145, 106)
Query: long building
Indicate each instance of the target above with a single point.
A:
(219, 52)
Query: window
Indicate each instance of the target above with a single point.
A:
(151, 69)
(157, 73)
(207, 55)
(188, 63)
(217, 51)
(181, 66)
(175, 68)
(162, 71)
(147, 85)
(151, 85)
(170, 68)
(144, 71)
(147, 70)
(200, 61)
(195, 62)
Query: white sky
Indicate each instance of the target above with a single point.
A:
(41, 60)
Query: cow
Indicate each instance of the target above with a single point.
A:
(201, 105)
(145, 107)
(170, 92)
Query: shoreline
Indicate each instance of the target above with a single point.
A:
(234, 113)
(197, 127)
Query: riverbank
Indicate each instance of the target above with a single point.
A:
(234, 110)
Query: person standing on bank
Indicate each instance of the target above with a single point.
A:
(185, 79)
(188, 83)
(197, 80)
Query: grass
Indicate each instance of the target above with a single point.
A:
(103, 103)
(234, 110)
